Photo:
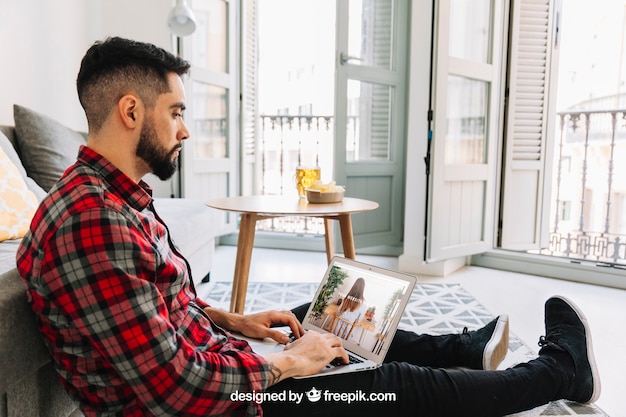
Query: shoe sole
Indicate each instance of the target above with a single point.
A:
(498, 345)
(590, 356)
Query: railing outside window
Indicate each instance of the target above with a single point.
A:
(286, 143)
(589, 189)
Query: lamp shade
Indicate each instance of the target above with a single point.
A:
(181, 20)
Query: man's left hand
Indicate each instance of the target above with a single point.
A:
(258, 325)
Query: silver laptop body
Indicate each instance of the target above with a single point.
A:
(367, 329)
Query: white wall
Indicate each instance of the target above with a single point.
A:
(41, 46)
(42, 43)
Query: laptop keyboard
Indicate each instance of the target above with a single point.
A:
(351, 359)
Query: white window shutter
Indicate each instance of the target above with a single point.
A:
(249, 98)
(528, 146)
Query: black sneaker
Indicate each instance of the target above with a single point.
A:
(486, 348)
(567, 330)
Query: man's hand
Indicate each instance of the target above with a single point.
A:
(305, 356)
(258, 325)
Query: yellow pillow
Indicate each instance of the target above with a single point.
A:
(17, 202)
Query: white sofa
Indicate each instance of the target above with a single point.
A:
(41, 149)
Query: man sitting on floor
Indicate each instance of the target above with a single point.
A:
(116, 306)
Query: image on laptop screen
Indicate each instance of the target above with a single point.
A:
(361, 305)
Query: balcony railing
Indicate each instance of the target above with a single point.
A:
(291, 141)
(589, 189)
(286, 143)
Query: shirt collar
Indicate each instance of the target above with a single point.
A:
(138, 195)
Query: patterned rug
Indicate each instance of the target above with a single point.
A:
(433, 309)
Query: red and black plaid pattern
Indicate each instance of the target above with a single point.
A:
(116, 305)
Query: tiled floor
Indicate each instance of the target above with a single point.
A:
(521, 296)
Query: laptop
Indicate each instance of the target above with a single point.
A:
(374, 299)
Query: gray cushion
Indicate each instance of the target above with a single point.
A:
(8, 249)
(21, 344)
(47, 147)
(8, 149)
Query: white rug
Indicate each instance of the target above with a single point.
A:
(433, 309)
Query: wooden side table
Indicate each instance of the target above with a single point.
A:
(254, 208)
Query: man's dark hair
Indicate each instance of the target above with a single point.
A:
(115, 67)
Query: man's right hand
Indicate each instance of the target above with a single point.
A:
(305, 356)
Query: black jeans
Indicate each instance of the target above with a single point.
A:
(412, 382)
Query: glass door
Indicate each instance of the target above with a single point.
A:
(467, 101)
(370, 117)
(209, 159)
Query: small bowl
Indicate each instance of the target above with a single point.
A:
(320, 197)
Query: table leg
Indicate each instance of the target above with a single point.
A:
(328, 239)
(347, 239)
(242, 262)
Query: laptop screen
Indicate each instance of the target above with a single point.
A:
(360, 303)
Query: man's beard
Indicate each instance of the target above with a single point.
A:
(161, 161)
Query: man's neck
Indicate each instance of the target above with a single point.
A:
(119, 152)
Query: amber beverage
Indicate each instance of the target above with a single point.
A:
(305, 178)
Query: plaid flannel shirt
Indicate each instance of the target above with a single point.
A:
(117, 308)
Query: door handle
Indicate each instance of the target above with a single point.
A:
(345, 58)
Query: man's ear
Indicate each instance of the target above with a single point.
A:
(129, 108)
